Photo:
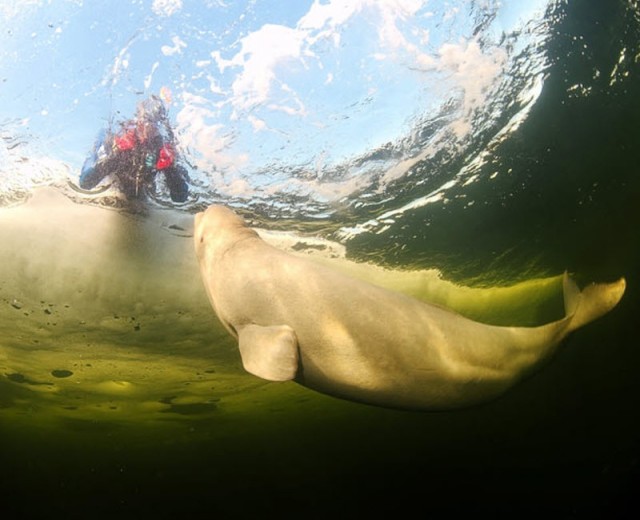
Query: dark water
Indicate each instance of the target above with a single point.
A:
(564, 443)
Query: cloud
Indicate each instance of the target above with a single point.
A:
(276, 74)
(328, 16)
(473, 71)
(12, 8)
(271, 46)
(199, 131)
(258, 124)
(149, 78)
(262, 51)
(327, 19)
(178, 45)
(166, 7)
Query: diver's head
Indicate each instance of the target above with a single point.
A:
(151, 109)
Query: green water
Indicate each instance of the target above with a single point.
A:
(123, 396)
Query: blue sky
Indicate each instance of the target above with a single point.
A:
(257, 86)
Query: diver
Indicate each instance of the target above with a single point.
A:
(143, 147)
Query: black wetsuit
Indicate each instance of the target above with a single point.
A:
(136, 166)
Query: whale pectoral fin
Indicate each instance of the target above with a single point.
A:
(269, 352)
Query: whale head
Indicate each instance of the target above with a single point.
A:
(216, 229)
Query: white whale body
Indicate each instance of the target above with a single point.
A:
(297, 320)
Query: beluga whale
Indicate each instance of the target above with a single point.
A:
(298, 320)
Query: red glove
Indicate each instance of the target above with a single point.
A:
(166, 157)
(126, 141)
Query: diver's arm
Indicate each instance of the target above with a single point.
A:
(176, 178)
(93, 169)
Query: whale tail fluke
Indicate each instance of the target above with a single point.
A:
(593, 301)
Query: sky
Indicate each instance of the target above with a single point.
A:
(259, 89)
